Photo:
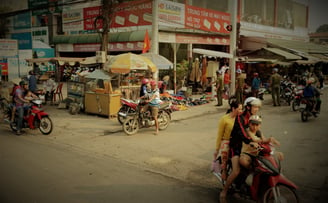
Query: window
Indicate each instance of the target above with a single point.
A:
(262, 13)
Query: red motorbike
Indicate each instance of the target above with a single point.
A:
(265, 183)
(298, 95)
(36, 118)
(128, 107)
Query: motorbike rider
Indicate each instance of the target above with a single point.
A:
(237, 137)
(19, 104)
(309, 93)
(256, 139)
(224, 130)
(144, 87)
(153, 103)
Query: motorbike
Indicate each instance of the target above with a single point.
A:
(138, 119)
(286, 91)
(306, 107)
(128, 107)
(265, 183)
(247, 92)
(36, 119)
(298, 94)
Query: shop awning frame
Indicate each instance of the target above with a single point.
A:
(212, 53)
(285, 54)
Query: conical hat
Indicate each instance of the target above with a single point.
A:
(16, 81)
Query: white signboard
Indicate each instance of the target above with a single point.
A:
(73, 21)
(171, 14)
(8, 48)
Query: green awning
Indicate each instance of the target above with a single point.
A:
(133, 36)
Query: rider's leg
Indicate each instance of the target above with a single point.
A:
(245, 160)
(233, 175)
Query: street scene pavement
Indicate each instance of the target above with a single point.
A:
(184, 151)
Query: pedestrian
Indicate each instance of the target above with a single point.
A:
(226, 81)
(237, 137)
(219, 87)
(32, 82)
(275, 80)
(49, 87)
(225, 126)
(240, 82)
(256, 83)
(321, 79)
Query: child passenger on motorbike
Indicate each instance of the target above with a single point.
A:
(237, 137)
(256, 140)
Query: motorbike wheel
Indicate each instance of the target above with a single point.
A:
(280, 193)
(130, 126)
(294, 105)
(304, 116)
(163, 120)
(45, 125)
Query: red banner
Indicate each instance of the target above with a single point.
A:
(89, 15)
(4, 67)
(205, 19)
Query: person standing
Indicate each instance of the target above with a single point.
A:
(226, 82)
(219, 87)
(32, 82)
(240, 82)
(275, 80)
(256, 83)
(154, 102)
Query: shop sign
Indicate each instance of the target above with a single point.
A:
(22, 21)
(171, 14)
(72, 20)
(4, 68)
(8, 48)
(134, 13)
(117, 46)
(89, 15)
(206, 19)
(196, 39)
(24, 40)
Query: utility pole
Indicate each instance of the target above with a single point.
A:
(154, 37)
(106, 5)
(233, 43)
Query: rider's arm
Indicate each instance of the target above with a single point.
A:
(220, 134)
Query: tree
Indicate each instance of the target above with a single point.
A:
(322, 28)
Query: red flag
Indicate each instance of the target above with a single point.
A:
(146, 46)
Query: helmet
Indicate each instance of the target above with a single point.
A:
(145, 81)
(152, 82)
(23, 82)
(252, 101)
(256, 74)
(275, 70)
(238, 70)
(310, 80)
(255, 119)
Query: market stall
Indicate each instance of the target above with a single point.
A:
(99, 96)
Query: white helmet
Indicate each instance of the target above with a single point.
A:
(252, 101)
(238, 70)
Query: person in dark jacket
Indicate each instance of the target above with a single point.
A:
(32, 82)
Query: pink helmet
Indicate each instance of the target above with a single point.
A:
(145, 81)
(152, 82)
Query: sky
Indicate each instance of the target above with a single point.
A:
(318, 14)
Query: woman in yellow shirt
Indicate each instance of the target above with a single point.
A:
(225, 126)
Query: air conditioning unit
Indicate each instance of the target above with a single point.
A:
(100, 56)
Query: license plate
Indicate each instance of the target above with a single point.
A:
(302, 106)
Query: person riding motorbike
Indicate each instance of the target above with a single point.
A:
(237, 137)
(309, 93)
(144, 87)
(19, 104)
(224, 130)
(153, 102)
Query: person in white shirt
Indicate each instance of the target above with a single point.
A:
(49, 88)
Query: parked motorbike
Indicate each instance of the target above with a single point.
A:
(265, 183)
(128, 107)
(138, 119)
(298, 94)
(286, 91)
(37, 118)
(247, 92)
(306, 108)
